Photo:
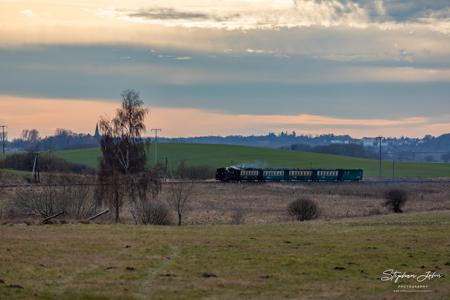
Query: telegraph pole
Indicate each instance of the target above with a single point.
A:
(36, 172)
(3, 137)
(380, 138)
(156, 130)
(393, 169)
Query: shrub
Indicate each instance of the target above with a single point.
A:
(143, 190)
(184, 171)
(395, 200)
(303, 209)
(47, 163)
(76, 201)
(154, 213)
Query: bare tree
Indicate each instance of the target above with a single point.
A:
(124, 155)
(122, 145)
(30, 135)
(179, 197)
(31, 138)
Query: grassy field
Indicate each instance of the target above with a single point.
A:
(313, 260)
(225, 155)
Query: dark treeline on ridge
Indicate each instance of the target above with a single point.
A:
(426, 149)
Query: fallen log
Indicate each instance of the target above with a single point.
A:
(44, 221)
(98, 215)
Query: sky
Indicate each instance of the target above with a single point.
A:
(219, 67)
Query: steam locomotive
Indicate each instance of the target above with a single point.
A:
(238, 174)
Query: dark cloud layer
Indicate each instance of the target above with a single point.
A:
(407, 10)
(377, 10)
(102, 72)
(167, 13)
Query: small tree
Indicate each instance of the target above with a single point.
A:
(121, 143)
(395, 200)
(124, 152)
(179, 197)
(303, 209)
(31, 139)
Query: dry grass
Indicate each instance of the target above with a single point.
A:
(221, 203)
(339, 259)
(267, 203)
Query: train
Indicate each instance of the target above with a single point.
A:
(240, 174)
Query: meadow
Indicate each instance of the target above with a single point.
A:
(315, 260)
(237, 242)
(226, 155)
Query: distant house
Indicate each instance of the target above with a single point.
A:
(342, 142)
(369, 142)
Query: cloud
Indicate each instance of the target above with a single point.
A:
(183, 58)
(274, 15)
(167, 14)
(28, 13)
(237, 83)
(245, 15)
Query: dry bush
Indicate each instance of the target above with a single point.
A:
(79, 202)
(153, 213)
(40, 201)
(303, 209)
(143, 190)
(395, 199)
(150, 212)
(76, 201)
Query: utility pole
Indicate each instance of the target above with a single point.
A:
(156, 130)
(380, 138)
(393, 169)
(3, 137)
(36, 171)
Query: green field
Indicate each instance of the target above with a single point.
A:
(225, 155)
(314, 260)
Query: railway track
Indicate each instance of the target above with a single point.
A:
(366, 182)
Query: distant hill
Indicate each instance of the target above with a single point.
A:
(226, 155)
(426, 149)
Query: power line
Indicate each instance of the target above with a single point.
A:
(156, 130)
